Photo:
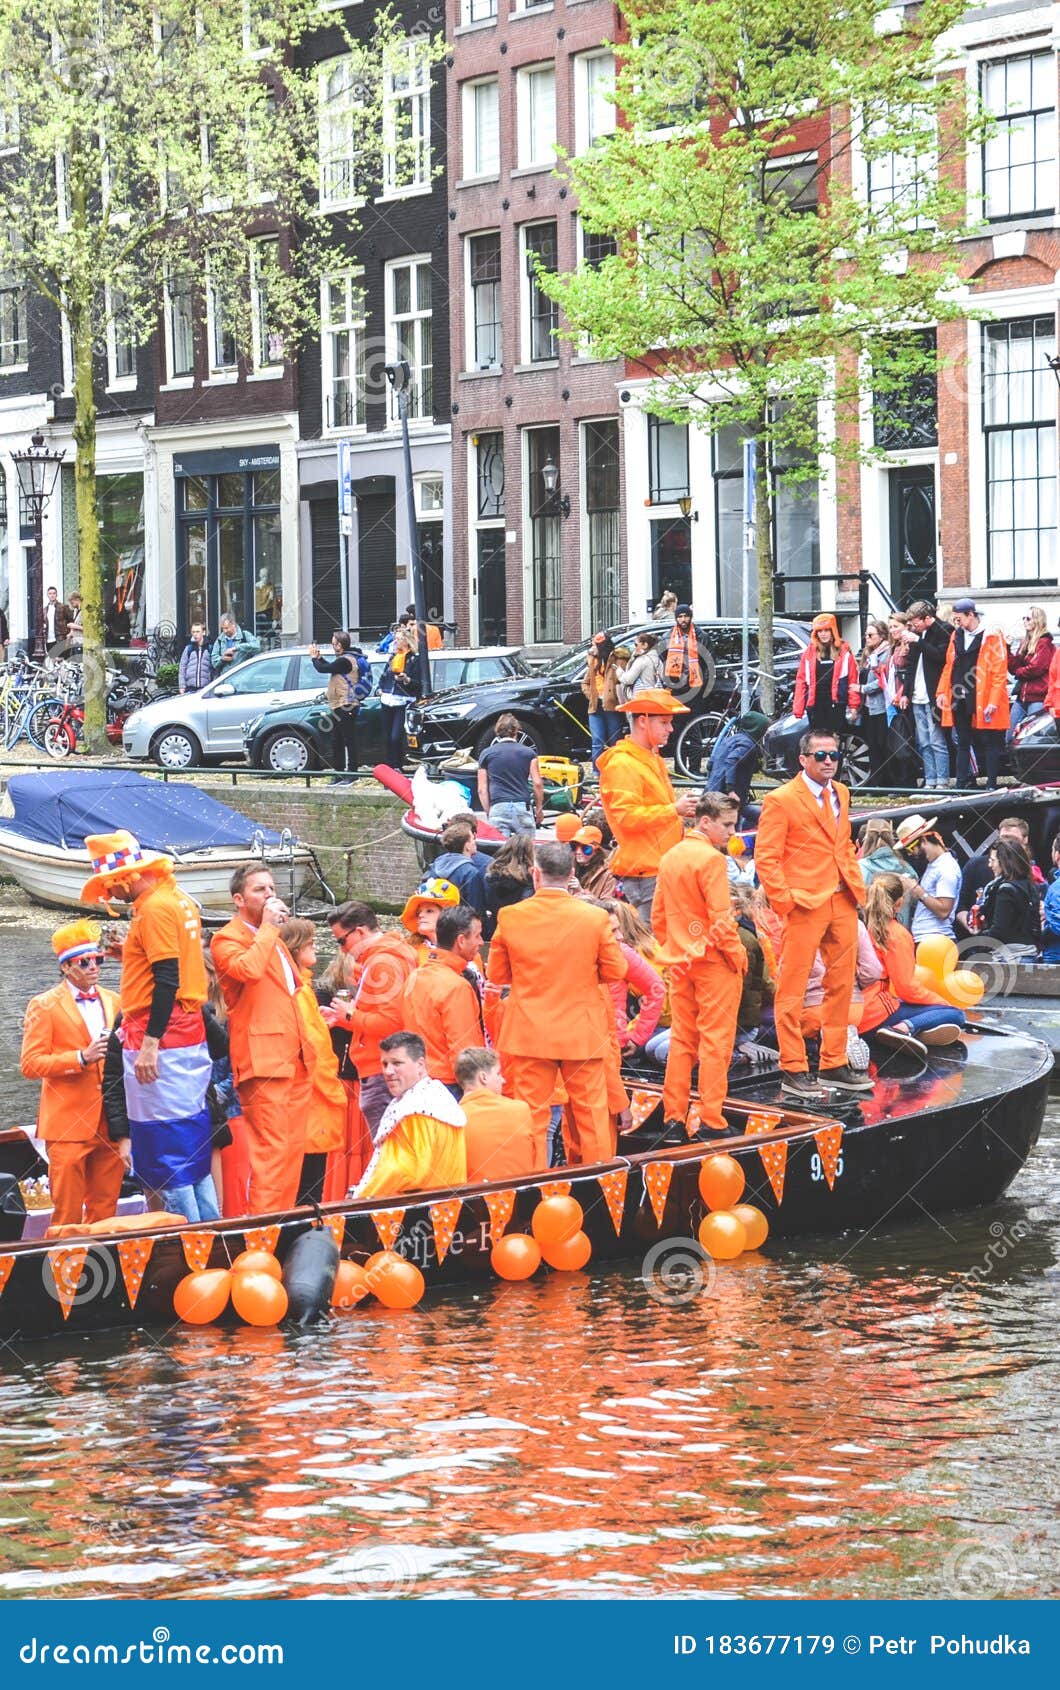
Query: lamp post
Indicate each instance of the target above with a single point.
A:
(550, 477)
(37, 470)
(399, 376)
(1054, 365)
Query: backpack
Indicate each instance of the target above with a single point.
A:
(347, 693)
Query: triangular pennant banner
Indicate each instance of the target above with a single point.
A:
(641, 1104)
(336, 1225)
(6, 1264)
(559, 1188)
(67, 1267)
(775, 1161)
(761, 1124)
(613, 1186)
(828, 1140)
(693, 1121)
(388, 1225)
(444, 1217)
(134, 1255)
(262, 1238)
(197, 1247)
(500, 1205)
(657, 1177)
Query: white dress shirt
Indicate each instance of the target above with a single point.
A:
(288, 971)
(819, 791)
(92, 1014)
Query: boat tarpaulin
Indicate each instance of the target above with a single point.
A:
(61, 808)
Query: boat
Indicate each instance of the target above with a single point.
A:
(45, 818)
(944, 1134)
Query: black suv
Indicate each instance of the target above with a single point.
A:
(551, 707)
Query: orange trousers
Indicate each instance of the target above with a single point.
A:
(533, 1080)
(235, 1171)
(832, 930)
(274, 1111)
(704, 1003)
(85, 1180)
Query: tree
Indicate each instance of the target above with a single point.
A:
(784, 192)
(163, 139)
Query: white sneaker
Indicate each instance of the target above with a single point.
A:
(857, 1051)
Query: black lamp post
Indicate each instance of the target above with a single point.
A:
(1054, 365)
(37, 471)
(399, 376)
(550, 477)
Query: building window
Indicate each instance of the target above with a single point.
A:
(542, 313)
(905, 415)
(479, 11)
(220, 318)
(1019, 156)
(407, 120)
(429, 496)
(180, 324)
(264, 269)
(602, 525)
(898, 183)
(338, 100)
(795, 525)
(121, 342)
(546, 535)
(408, 298)
(594, 110)
(489, 477)
(229, 559)
(489, 556)
(667, 461)
(14, 332)
(482, 144)
(343, 353)
(536, 96)
(1019, 422)
(484, 279)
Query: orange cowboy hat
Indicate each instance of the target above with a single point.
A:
(654, 701)
(441, 893)
(115, 856)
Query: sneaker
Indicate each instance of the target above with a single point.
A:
(857, 1052)
(801, 1086)
(947, 1034)
(891, 1039)
(845, 1079)
(673, 1132)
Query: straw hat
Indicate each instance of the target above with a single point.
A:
(913, 828)
(116, 856)
(442, 894)
(76, 939)
(654, 701)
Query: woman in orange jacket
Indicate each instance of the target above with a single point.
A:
(325, 1120)
(898, 1001)
(973, 693)
(827, 690)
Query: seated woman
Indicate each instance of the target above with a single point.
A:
(897, 1001)
(1008, 912)
(419, 1143)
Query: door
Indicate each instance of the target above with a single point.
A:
(671, 558)
(253, 687)
(492, 588)
(376, 563)
(326, 548)
(914, 558)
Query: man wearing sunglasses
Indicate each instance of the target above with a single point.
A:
(805, 860)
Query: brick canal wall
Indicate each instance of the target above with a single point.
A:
(356, 835)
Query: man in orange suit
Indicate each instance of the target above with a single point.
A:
(556, 952)
(64, 1041)
(499, 1136)
(269, 1063)
(805, 861)
(441, 1004)
(700, 942)
(643, 811)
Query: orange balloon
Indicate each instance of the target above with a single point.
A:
(258, 1298)
(962, 988)
(722, 1235)
(398, 1284)
(928, 981)
(721, 1182)
(515, 1256)
(257, 1261)
(351, 1286)
(201, 1297)
(754, 1224)
(570, 1254)
(556, 1219)
(938, 954)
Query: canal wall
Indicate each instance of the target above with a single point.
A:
(357, 836)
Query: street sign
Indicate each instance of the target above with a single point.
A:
(750, 459)
(346, 484)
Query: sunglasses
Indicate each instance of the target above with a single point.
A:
(824, 756)
(82, 961)
(584, 850)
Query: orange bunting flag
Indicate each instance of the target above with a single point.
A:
(388, 1225)
(6, 1264)
(828, 1141)
(261, 1238)
(641, 1104)
(197, 1247)
(500, 1205)
(693, 1121)
(613, 1187)
(657, 1177)
(444, 1217)
(775, 1161)
(336, 1225)
(761, 1124)
(134, 1255)
(559, 1188)
(67, 1268)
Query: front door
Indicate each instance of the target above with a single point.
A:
(492, 588)
(914, 558)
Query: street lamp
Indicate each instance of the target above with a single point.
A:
(550, 477)
(1054, 365)
(399, 375)
(37, 471)
(684, 505)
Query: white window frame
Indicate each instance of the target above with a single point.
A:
(353, 324)
(471, 361)
(590, 128)
(1030, 51)
(487, 12)
(329, 121)
(175, 377)
(525, 334)
(977, 54)
(218, 372)
(267, 362)
(533, 152)
(416, 316)
(117, 383)
(471, 160)
(1037, 426)
(12, 285)
(416, 65)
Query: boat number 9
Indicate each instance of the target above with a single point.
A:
(817, 1171)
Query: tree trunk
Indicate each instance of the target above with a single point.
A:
(90, 583)
(764, 552)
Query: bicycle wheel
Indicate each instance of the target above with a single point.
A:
(37, 719)
(695, 742)
(58, 738)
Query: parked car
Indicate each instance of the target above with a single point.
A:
(1034, 754)
(551, 707)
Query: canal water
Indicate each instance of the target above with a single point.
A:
(851, 1417)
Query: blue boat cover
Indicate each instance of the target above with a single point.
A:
(61, 808)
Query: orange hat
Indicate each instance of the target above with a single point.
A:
(566, 828)
(588, 836)
(654, 701)
(434, 890)
(76, 939)
(115, 856)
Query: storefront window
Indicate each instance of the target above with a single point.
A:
(229, 553)
(120, 504)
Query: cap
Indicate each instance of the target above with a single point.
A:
(588, 836)
(967, 607)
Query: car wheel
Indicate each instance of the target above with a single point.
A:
(529, 736)
(854, 770)
(287, 753)
(176, 748)
(695, 742)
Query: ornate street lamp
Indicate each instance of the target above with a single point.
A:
(550, 477)
(399, 375)
(1054, 365)
(37, 470)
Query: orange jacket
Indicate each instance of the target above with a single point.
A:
(1052, 697)
(443, 1009)
(640, 805)
(499, 1136)
(692, 914)
(991, 683)
(899, 959)
(325, 1128)
(799, 858)
(378, 1007)
(71, 1099)
(265, 1035)
(555, 952)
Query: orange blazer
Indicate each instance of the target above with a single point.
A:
(640, 805)
(692, 913)
(443, 1009)
(555, 952)
(498, 1138)
(799, 858)
(265, 1036)
(991, 683)
(71, 1099)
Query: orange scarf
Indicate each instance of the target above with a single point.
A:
(679, 643)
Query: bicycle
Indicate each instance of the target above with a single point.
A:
(698, 736)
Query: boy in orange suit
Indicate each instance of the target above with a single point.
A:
(805, 862)
(64, 1041)
(643, 811)
(499, 1136)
